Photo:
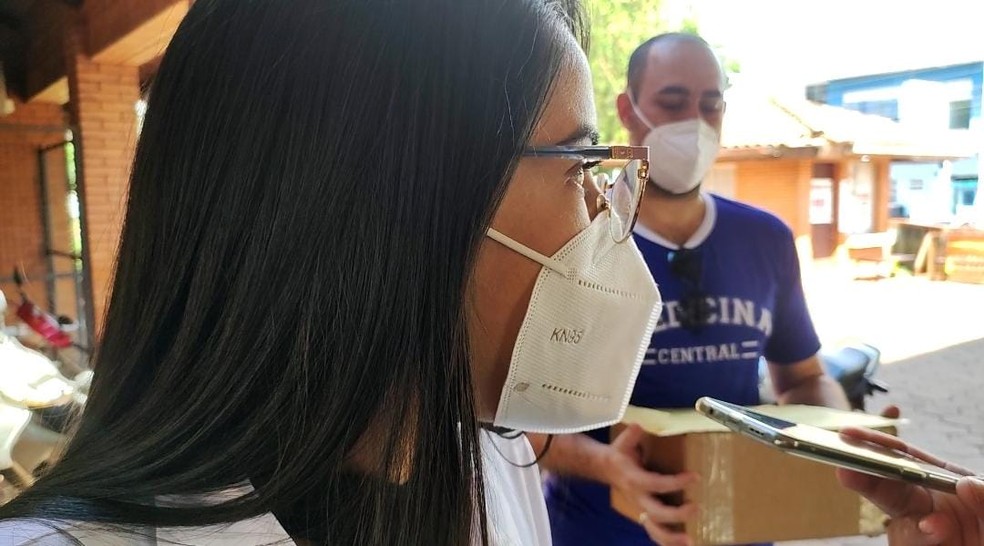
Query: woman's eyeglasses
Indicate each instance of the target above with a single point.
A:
(620, 197)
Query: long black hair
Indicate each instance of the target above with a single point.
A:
(309, 191)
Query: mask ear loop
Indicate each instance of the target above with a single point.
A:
(545, 261)
(638, 113)
(510, 434)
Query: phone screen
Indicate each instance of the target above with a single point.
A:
(827, 446)
(832, 440)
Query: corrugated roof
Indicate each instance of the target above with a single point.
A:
(762, 124)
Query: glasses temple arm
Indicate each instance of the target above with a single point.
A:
(573, 152)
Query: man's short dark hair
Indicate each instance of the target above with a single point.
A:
(640, 57)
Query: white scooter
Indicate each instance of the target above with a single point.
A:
(36, 401)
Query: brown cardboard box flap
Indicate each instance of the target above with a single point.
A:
(749, 492)
(675, 422)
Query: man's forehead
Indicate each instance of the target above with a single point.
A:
(682, 66)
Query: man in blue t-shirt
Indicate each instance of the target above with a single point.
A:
(730, 279)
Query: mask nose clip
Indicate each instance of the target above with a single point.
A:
(601, 202)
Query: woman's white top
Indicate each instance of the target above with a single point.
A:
(516, 510)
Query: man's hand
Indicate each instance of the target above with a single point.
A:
(625, 474)
(921, 516)
(891, 412)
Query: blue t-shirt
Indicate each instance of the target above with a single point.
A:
(748, 278)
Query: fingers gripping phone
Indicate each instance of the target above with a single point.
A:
(828, 447)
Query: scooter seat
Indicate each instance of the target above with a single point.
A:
(850, 362)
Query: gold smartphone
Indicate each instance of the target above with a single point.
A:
(828, 447)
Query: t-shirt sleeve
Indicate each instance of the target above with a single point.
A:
(43, 532)
(793, 336)
(33, 532)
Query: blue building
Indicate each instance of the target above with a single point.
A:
(944, 97)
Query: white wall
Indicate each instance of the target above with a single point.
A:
(925, 189)
(854, 209)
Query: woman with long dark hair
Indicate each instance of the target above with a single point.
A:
(361, 248)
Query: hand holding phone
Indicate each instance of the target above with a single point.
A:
(919, 515)
(858, 454)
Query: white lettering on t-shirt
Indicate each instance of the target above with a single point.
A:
(697, 355)
(670, 319)
(744, 312)
(765, 322)
(725, 315)
(712, 353)
(700, 353)
(724, 311)
(712, 316)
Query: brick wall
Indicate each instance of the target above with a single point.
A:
(782, 187)
(21, 234)
(88, 57)
(102, 106)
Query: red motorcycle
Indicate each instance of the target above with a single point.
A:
(52, 331)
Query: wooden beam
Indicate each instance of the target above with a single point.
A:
(131, 32)
(834, 151)
(804, 183)
(121, 32)
(45, 27)
(765, 152)
(836, 175)
(880, 193)
(56, 93)
(148, 71)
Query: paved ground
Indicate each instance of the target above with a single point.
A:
(932, 337)
(904, 316)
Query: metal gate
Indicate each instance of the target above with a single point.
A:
(67, 279)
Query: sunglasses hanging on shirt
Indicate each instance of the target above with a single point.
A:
(687, 265)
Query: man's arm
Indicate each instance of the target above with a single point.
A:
(793, 337)
(619, 465)
(805, 382)
(577, 455)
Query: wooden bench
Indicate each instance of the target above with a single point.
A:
(963, 255)
(876, 248)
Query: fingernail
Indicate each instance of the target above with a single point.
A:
(977, 488)
(925, 527)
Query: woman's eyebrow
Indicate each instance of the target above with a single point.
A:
(579, 135)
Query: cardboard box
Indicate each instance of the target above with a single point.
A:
(749, 492)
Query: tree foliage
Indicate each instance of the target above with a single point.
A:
(617, 28)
